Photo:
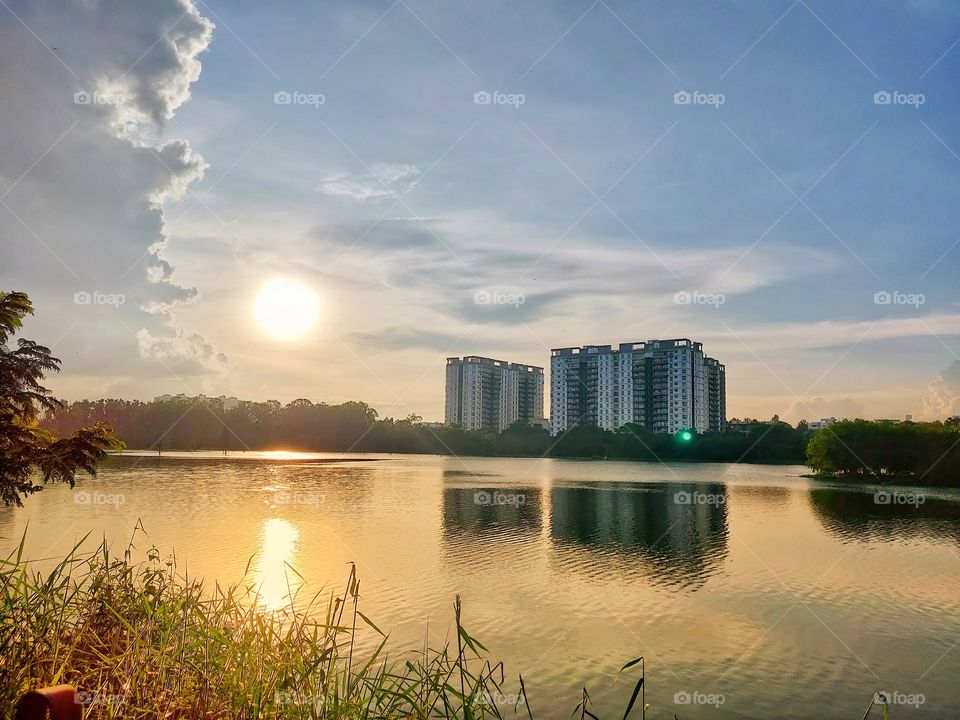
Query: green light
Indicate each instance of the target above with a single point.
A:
(686, 436)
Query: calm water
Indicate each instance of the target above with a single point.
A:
(787, 598)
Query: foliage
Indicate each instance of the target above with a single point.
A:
(925, 453)
(763, 442)
(204, 424)
(141, 640)
(25, 448)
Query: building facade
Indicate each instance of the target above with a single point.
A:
(662, 385)
(487, 394)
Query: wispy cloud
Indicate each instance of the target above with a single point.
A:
(386, 181)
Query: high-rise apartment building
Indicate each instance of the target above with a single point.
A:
(487, 394)
(663, 385)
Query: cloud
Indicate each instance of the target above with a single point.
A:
(942, 399)
(186, 351)
(466, 253)
(184, 166)
(148, 54)
(84, 174)
(399, 338)
(818, 408)
(385, 180)
(839, 333)
(506, 306)
(388, 234)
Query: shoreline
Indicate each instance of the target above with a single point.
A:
(247, 458)
(891, 481)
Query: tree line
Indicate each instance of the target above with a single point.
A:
(205, 424)
(921, 453)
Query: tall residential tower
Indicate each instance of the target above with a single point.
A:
(662, 385)
(487, 394)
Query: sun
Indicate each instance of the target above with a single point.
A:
(286, 308)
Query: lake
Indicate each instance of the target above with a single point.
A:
(750, 590)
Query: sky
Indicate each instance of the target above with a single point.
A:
(777, 180)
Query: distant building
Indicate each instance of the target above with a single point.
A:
(745, 426)
(663, 385)
(487, 394)
(821, 423)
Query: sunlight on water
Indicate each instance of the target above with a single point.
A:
(748, 582)
(284, 455)
(275, 579)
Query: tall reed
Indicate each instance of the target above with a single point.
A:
(139, 639)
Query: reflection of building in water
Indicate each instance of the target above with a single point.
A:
(492, 510)
(679, 529)
(888, 515)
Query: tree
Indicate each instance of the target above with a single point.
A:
(25, 448)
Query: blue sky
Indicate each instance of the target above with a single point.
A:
(781, 200)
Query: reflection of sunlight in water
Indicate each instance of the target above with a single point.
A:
(276, 581)
(284, 455)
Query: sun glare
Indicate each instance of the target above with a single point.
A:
(277, 552)
(286, 308)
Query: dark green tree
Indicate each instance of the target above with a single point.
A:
(27, 451)
(523, 440)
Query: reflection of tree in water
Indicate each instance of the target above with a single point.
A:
(492, 510)
(457, 474)
(682, 543)
(760, 497)
(6, 522)
(856, 514)
(495, 541)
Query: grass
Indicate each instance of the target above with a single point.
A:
(140, 640)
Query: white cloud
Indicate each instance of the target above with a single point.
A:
(84, 173)
(943, 394)
(182, 348)
(385, 180)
